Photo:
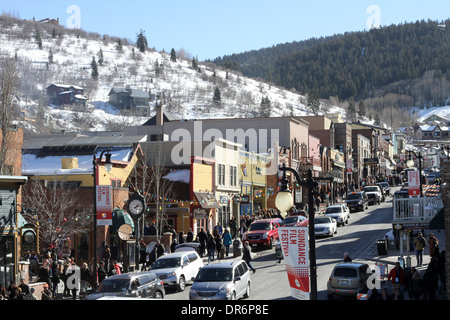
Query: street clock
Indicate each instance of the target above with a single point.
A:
(136, 205)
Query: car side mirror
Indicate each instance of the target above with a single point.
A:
(237, 278)
(192, 278)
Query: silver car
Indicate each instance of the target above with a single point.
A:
(325, 226)
(339, 212)
(221, 281)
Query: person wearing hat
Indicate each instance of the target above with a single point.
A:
(420, 244)
(46, 294)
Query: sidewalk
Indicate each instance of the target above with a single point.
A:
(393, 255)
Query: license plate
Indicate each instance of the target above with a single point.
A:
(254, 245)
(344, 282)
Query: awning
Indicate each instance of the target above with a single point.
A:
(207, 200)
(437, 223)
(339, 164)
(121, 217)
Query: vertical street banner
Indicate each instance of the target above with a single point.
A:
(295, 247)
(104, 205)
(413, 183)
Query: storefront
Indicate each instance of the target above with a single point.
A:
(10, 228)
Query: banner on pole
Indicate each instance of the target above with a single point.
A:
(413, 183)
(104, 205)
(295, 247)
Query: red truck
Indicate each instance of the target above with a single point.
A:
(263, 232)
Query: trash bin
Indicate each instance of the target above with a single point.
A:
(237, 248)
(382, 247)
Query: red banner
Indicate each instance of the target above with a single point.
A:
(104, 205)
(294, 244)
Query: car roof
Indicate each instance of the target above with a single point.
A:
(267, 220)
(350, 264)
(176, 254)
(130, 275)
(222, 264)
(336, 205)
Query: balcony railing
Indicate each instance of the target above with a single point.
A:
(416, 209)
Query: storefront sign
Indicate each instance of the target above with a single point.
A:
(295, 248)
(104, 205)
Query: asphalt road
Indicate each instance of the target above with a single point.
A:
(358, 238)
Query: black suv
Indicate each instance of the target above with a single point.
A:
(357, 201)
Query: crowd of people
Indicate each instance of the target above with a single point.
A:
(411, 281)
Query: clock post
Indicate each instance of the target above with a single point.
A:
(136, 207)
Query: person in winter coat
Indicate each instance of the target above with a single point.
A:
(416, 285)
(202, 238)
(44, 272)
(430, 281)
(397, 275)
(101, 272)
(219, 244)
(211, 247)
(56, 277)
(142, 254)
(420, 244)
(247, 256)
(227, 241)
(85, 273)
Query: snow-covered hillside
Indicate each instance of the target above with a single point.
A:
(188, 92)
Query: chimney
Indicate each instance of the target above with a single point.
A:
(159, 114)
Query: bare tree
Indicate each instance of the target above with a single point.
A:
(55, 206)
(8, 87)
(148, 177)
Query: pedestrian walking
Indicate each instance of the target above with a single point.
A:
(433, 244)
(416, 285)
(219, 244)
(211, 247)
(202, 238)
(247, 256)
(101, 272)
(142, 255)
(419, 244)
(347, 257)
(190, 236)
(85, 273)
(56, 277)
(430, 281)
(227, 239)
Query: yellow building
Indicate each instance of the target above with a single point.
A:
(253, 182)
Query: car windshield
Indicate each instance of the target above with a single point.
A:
(321, 220)
(370, 189)
(333, 210)
(166, 263)
(354, 196)
(214, 274)
(384, 184)
(114, 285)
(290, 220)
(259, 226)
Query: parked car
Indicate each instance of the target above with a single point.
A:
(357, 201)
(339, 212)
(383, 192)
(373, 193)
(263, 232)
(292, 221)
(178, 268)
(347, 279)
(126, 285)
(221, 281)
(325, 226)
(386, 188)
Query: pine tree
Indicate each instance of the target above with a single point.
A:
(173, 55)
(351, 110)
(265, 107)
(217, 98)
(94, 67)
(100, 57)
(38, 38)
(141, 41)
(50, 57)
(119, 46)
(362, 109)
(194, 63)
(314, 101)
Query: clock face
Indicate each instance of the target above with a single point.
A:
(29, 237)
(136, 206)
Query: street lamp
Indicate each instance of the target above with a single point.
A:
(284, 202)
(108, 167)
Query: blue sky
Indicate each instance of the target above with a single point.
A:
(212, 28)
